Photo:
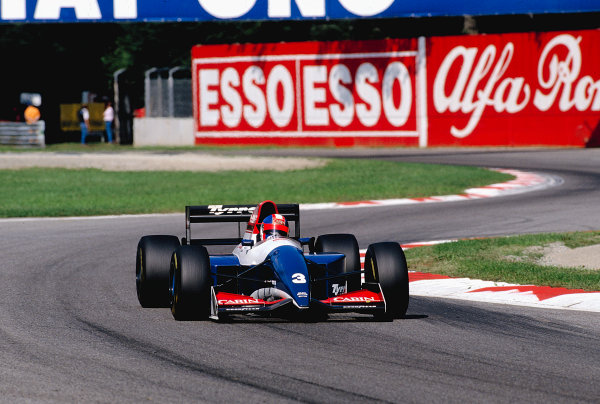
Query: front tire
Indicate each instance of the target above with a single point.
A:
(385, 263)
(343, 244)
(190, 282)
(152, 269)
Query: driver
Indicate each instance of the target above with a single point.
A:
(274, 226)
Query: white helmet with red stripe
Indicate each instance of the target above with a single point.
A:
(274, 225)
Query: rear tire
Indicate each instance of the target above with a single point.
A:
(152, 269)
(343, 244)
(190, 282)
(385, 263)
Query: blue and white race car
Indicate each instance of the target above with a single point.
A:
(269, 272)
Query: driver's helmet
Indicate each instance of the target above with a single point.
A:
(274, 225)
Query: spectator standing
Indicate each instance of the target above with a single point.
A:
(109, 117)
(84, 121)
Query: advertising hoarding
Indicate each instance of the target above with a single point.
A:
(314, 92)
(480, 90)
(207, 10)
(514, 89)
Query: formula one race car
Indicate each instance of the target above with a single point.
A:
(269, 271)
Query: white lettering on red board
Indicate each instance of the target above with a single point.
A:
(280, 76)
(331, 95)
(51, 9)
(508, 94)
(228, 84)
(563, 74)
(481, 82)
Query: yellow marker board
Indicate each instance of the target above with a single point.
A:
(69, 121)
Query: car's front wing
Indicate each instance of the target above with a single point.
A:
(368, 300)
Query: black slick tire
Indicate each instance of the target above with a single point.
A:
(343, 244)
(153, 260)
(385, 263)
(191, 280)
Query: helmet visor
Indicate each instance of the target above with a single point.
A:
(274, 230)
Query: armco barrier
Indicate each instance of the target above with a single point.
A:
(519, 89)
(22, 134)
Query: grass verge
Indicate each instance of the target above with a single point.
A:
(507, 259)
(64, 192)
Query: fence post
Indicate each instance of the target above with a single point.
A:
(117, 105)
(147, 91)
(171, 85)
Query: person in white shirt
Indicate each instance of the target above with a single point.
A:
(83, 115)
(109, 117)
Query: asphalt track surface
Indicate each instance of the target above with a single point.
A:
(71, 329)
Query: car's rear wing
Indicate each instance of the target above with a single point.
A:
(232, 213)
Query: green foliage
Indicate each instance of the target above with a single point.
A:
(84, 56)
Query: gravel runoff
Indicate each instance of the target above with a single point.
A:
(142, 161)
(555, 254)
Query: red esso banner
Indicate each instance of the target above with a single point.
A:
(509, 89)
(307, 93)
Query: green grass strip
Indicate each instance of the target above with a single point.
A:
(64, 192)
(507, 259)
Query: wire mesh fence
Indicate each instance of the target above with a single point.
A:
(168, 92)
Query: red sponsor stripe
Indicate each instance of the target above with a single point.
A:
(357, 297)
(232, 299)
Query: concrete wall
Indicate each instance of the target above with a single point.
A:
(163, 131)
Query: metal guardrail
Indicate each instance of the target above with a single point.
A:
(23, 134)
